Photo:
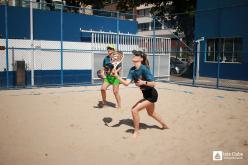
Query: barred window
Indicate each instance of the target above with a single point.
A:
(230, 50)
(158, 25)
(143, 26)
(144, 13)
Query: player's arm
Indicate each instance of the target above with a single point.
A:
(146, 83)
(149, 79)
(101, 73)
(118, 70)
(124, 82)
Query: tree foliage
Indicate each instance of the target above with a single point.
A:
(176, 13)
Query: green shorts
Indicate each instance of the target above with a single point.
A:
(111, 80)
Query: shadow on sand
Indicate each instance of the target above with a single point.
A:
(128, 122)
(109, 104)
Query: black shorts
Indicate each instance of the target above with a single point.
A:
(150, 95)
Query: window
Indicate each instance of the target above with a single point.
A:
(140, 13)
(147, 12)
(158, 25)
(174, 60)
(237, 48)
(143, 26)
(230, 50)
(144, 12)
(212, 50)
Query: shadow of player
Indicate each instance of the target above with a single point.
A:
(109, 104)
(128, 122)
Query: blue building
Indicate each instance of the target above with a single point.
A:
(47, 24)
(47, 34)
(224, 26)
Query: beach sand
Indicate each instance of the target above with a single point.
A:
(62, 126)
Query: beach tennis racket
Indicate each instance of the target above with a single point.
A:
(116, 58)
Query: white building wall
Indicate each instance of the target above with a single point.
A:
(167, 32)
(47, 55)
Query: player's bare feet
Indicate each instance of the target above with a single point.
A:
(164, 126)
(135, 134)
(101, 104)
(118, 107)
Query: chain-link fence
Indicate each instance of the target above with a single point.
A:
(45, 44)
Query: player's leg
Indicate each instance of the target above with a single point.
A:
(117, 94)
(104, 87)
(140, 105)
(151, 112)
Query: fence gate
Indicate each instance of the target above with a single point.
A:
(157, 48)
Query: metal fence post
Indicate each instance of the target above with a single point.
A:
(61, 46)
(92, 58)
(218, 65)
(118, 30)
(7, 44)
(219, 43)
(153, 47)
(194, 63)
(32, 43)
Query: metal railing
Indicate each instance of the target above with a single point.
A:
(159, 59)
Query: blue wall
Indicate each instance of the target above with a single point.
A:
(223, 18)
(47, 27)
(48, 77)
(47, 24)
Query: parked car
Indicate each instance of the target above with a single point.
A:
(177, 66)
(184, 60)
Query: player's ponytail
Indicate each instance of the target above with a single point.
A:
(145, 60)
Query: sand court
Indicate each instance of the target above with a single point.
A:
(62, 126)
